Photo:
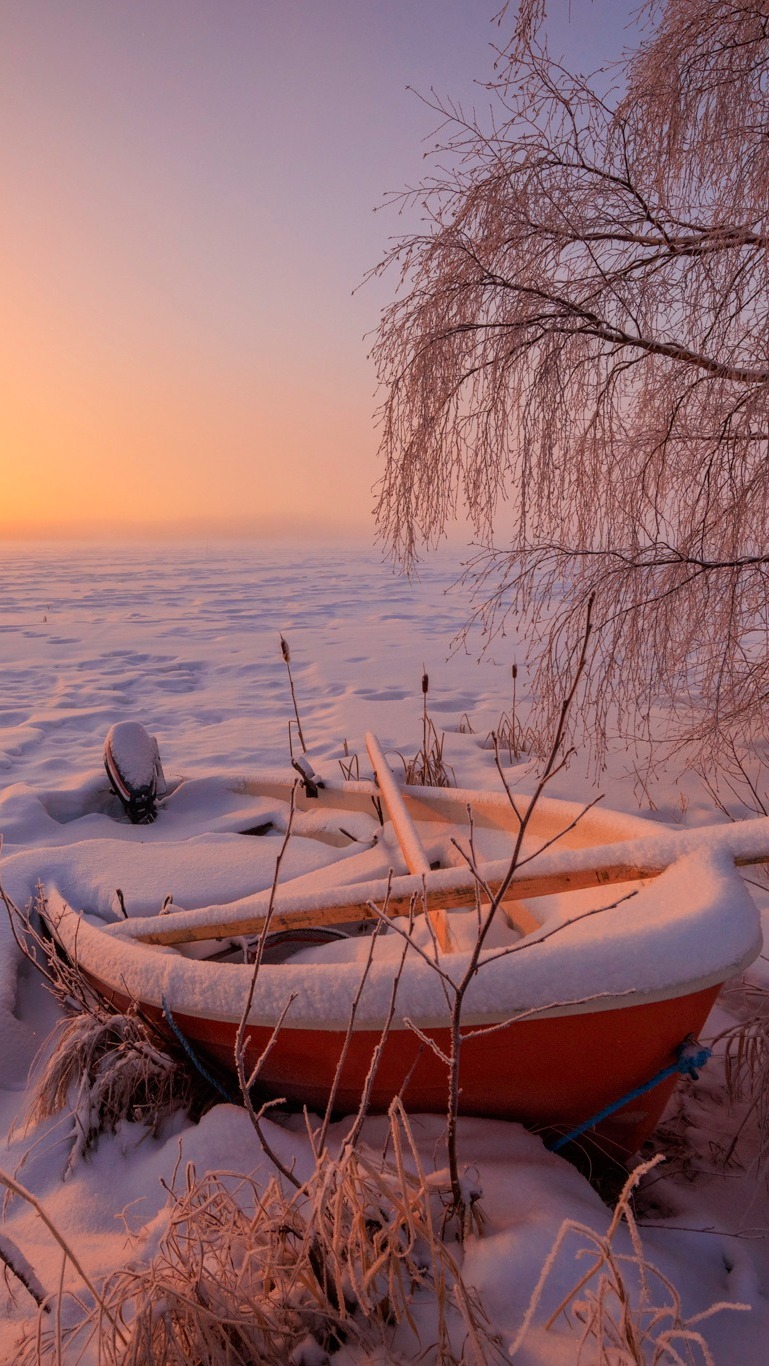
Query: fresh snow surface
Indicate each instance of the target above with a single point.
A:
(185, 641)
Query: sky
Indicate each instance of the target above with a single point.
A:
(192, 197)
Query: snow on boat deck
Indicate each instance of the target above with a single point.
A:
(692, 926)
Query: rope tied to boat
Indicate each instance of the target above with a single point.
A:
(691, 1057)
(189, 1050)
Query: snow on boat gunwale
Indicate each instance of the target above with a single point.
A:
(692, 927)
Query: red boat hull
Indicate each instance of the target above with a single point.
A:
(549, 1073)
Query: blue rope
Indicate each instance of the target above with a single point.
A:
(690, 1057)
(189, 1050)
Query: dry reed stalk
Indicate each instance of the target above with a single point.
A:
(630, 1312)
(510, 734)
(428, 767)
(350, 769)
(746, 1073)
(287, 660)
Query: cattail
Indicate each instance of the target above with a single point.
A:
(287, 658)
(425, 686)
(514, 714)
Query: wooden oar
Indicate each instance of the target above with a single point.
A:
(565, 870)
(406, 833)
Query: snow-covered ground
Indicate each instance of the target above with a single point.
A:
(186, 641)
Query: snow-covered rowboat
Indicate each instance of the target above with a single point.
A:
(610, 949)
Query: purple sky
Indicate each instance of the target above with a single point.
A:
(189, 195)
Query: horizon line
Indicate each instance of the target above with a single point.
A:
(185, 529)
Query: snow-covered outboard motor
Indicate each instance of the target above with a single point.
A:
(132, 761)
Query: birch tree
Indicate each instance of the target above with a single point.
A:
(582, 327)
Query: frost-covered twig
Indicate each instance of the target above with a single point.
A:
(15, 1261)
(245, 1080)
(342, 1059)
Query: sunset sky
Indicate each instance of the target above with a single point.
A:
(188, 196)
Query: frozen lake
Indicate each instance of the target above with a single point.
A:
(186, 640)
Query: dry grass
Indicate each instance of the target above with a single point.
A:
(105, 1068)
(245, 1274)
(103, 1065)
(629, 1313)
(511, 736)
(428, 767)
(350, 765)
(746, 1068)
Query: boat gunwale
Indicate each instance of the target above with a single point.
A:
(474, 1022)
(162, 961)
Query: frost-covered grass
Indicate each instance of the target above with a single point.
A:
(100, 1065)
(349, 1264)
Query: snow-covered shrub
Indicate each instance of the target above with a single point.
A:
(103, 1064)
(106, 1068)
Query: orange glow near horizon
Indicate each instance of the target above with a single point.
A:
(187, 220)
(107, 430)
(180, 347)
